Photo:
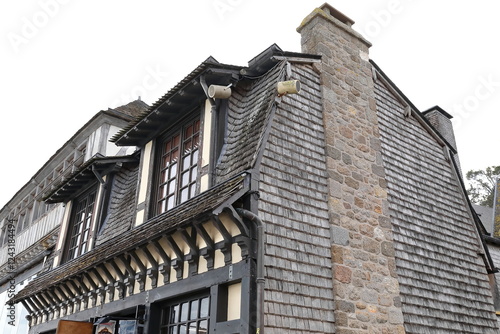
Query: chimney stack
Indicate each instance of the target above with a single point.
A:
(366, 288)
(441, 121)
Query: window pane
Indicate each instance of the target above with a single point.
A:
(78, 240)
(166, 161)
(186, 162)
(163, 191)
(189, 131)
(195, 156)
(203, 328)
(204, 307)
(194, 310)
(173, 170)
(174, 315)
(170, 203)
(176, 140)
(184, 311)
(192, 328)
(194, 173)
(185, 179)
(175, 155)
(184, 195)
(171, 186)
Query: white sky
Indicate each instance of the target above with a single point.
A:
(64, 60)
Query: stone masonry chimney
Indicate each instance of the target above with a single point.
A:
(365, 281)
(441, 121)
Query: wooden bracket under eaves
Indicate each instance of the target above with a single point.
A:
(407, 112)
(447, 154)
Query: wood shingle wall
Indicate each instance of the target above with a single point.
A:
(441, 275)
(293, 205)
(121, 207)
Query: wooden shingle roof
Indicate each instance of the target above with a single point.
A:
(182, 98)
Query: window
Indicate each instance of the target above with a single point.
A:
(178, 166)
(23, 220)
(186, 317)
(80, 224)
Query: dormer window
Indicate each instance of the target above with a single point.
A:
(79, 232)
(177, 175)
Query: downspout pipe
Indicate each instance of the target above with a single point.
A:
(260, 280)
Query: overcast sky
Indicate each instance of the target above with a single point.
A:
(64, 60)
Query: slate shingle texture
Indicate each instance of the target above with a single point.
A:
(249, 109)
(293, 205)
(121, 204)
(443, 281)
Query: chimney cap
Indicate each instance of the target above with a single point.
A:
(327, 8)
(440, 110)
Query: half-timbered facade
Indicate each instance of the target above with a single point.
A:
(31, 225)
(301, 193)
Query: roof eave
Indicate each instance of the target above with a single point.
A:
(146, 126)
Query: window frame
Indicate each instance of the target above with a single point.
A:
(68, 254)
(167, 325)
(163, 176)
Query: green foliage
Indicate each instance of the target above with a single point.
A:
(482, 185)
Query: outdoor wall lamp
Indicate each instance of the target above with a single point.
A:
(219, 92)
(288, 87)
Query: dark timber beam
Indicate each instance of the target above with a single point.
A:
(178, 263)
(164, 268)
(141, 275)
(101, 285)
(85, 290)
(130, 279)
(225, 247)
(120, 283)
(207, 252)
(194, 254)
(79, 293)
(238, 222)
(222, 229)
(153, 271)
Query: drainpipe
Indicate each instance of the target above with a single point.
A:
(260, 280)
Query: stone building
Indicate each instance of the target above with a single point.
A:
(332, 206)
